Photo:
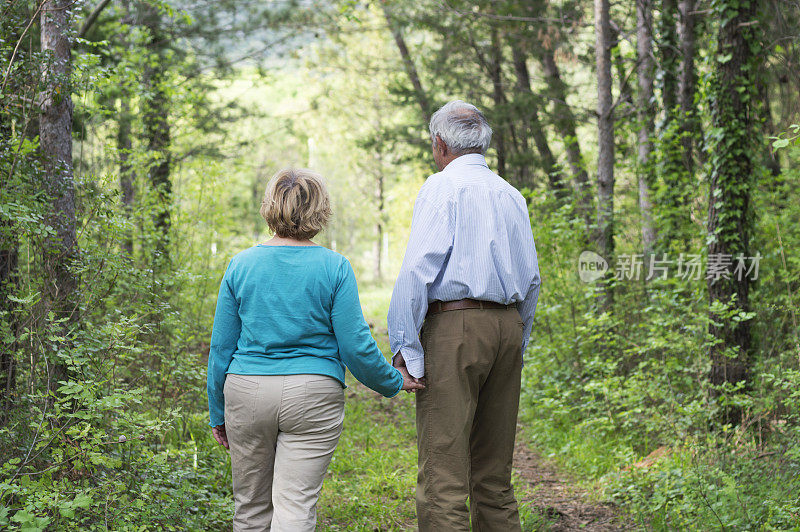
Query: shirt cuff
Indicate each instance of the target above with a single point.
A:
(416, 367)
(413, 357)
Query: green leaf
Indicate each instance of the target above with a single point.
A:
(82, 500)
(722, 59)
(780, 143)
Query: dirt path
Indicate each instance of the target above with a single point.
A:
(558, 499)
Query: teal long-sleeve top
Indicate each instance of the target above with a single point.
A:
(289, 310)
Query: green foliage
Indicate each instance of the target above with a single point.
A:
(112, 443)
(119, 440)
(676, 185)
(715, 484)
(602, 412)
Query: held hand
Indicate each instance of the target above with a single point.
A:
(220, 435)
(410, 384)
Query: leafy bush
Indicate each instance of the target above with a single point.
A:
(603, 391)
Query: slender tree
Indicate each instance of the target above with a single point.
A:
(687, 81)
(124, 146)
(771, 158)
(529, 110)
(494, 65)
(733, 150)
(669, 54)
(562, 116)
(124, 139)
(604, 237)
(55, 138)
(674, 172)
(566, 126)
(156, 108)
(408, 63)
(490, 59)
(380, 197)
(644, 53)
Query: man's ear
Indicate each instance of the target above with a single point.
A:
(441, 146)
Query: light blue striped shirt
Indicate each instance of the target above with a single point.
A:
(470, 238)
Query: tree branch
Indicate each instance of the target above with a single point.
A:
(93, 18)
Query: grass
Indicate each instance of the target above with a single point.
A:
(371, 480)
(370, 483)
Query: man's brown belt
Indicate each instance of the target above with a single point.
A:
(462, 304)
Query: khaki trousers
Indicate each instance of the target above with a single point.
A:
(466, 420)
(282, 431)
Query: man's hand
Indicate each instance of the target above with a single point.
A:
(398, 361)
(220, 435)
(410, 384)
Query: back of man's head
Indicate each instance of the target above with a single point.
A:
(462, 127)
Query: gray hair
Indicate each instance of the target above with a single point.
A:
(462, 127)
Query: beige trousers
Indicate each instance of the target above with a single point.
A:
(282, 432)
(466, 420)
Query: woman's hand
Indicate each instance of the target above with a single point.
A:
(220, 435)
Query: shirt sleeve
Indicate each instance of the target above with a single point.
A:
(429, 247)
(224, 338)
(527, 308)
(357, 348)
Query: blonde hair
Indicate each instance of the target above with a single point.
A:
(296, 204)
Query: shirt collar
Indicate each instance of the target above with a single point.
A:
(468, 159)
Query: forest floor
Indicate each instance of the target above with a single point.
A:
(555, 496)
(372, 478)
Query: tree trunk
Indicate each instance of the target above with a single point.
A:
(676, 184)
(55, 140)
(379, 226)
(771, 157)
(668, 49)
(733, 149)
(534, 127)
(157, 128)
(605, 128)
(687, 81)
(565, 124)
(124, 146)
(618, 60)
(408, 64)
(495, 67)
(644, 52)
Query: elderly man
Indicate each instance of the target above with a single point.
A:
(461, 315)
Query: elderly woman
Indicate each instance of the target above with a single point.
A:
(288, 321)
